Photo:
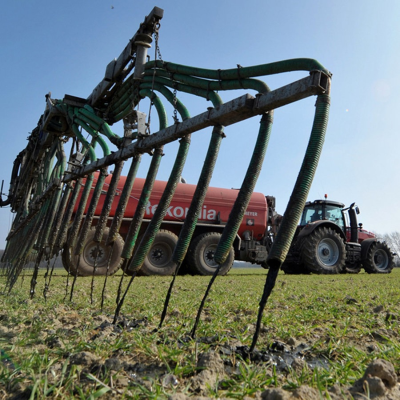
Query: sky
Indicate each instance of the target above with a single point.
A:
(63, 47)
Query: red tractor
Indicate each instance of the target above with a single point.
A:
(329, 241)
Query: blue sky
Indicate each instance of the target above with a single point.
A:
(63, 47)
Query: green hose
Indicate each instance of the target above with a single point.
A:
(124, 198)
(246, 190)
(59, 216)
(85, 143)
(155, 223)
(73, 231)
(137, 219)
(182, 110)
(67, 215)
(255, 84)
(87, 223)
(95, 135)
(295, 207)
(209, 95)
(295, 64)
(105, 211)
(193, 213)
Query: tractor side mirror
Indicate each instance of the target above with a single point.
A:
(357, 210)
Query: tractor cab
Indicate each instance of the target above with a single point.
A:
(327, 210)
(334, 211)
(328, 240)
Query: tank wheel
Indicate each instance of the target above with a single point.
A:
(323, 252)
(379, 259)
(94, 253)
(201, 252)
(159, 258)
(354, 268)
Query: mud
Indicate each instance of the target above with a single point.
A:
(221, 364)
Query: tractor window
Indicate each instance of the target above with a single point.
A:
(335, 215)
(311, 214)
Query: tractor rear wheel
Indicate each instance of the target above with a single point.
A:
(323, 252)
(96, 259)
(159, 258)
(379, 259)
(200, 257)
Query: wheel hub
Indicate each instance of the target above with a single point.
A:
(325, 251)
(209, 254)
(157, 254)
(96, 255)
(381, 259)
(328, 252)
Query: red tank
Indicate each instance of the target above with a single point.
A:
(216, 208)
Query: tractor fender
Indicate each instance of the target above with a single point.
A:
(365, 245)
(309, 228)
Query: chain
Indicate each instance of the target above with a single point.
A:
(176, 120)
(157, 52)
(156, 36)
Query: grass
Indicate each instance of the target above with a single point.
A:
(342, 321)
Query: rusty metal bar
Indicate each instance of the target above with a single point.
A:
(229, 113)
(116, 67)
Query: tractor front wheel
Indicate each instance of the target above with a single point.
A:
(379, 259)
(323, 252)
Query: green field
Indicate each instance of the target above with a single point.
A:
(316, 330)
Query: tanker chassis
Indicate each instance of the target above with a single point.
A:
(327, 241)
(252, 242)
